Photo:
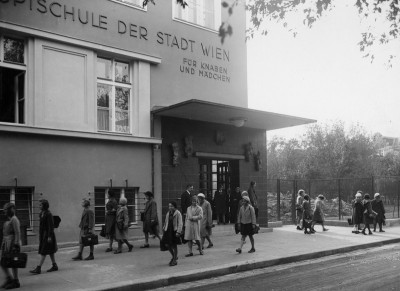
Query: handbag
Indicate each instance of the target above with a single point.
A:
(14, 260)
(256, 229)
(103, 231)
(90, 239)
(237, 227)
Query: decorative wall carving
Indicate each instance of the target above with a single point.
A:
(248, 153)
(257, 161)
(188, 146)
(219, 137)
(175, 153)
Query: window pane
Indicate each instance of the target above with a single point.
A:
(103, 104)
(122, 109)
(122, 72)
(14, 50)
(103, 68)
(132, 2)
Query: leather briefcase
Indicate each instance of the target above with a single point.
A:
(14, 260)
(90, 239)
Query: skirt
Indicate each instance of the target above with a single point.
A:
(246, 229)
(318, 217)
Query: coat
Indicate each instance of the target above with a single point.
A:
(307, 213)
(235, 199)
(186, 201)
(253, 197)
(87, 223)
(192, 223)
(358, 210)
(367, 211)
(150, 222)
(378, 207)
(46, 231)
(11, 235)
(177, 221)
(220, 202)
(247, 215)
(206, 221)
(122, 219)
(318, 215)
(111, 211)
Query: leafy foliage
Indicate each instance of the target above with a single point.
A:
(330, 152)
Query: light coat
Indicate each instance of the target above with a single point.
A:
(192, 223)
(206, 221)
(247, 215)
(122, 219)
(177, 221)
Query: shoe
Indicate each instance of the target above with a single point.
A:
(108, 250)
(313, 230)
(8, 281)
(173, 263)
(306, 232)
(145, 246)
(189, 255)
(325, 229)
(201, 253)
(374, 230)
(239, 251)
(37, 270)
(252, 250)
(130, 247)
(53, 268)
(381, 230)
(89, 258)
(78, 257)
(356, 232)
(118, 251)
(363, 232)
(13, 284)
(210, 246)
(370, 232)
(298, 228)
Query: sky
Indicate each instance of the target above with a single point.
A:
(321, 74)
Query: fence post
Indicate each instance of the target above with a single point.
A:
(278, 199)
(294, 202)
(340, 200)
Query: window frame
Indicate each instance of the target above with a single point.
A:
(133, 217)
(113, 83)
(138, 7)
(20, 67)
(217, 16)
(13, 194)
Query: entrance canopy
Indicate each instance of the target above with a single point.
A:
(226, 114)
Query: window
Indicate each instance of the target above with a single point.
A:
(113, 95)
(204, 13)
(12, 79)
(132, 3)
(101, 199)
(22, 197)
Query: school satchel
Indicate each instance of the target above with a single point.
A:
(90, 239)
(14, 260)
(142, 216)
(103, 231)
(56, 221)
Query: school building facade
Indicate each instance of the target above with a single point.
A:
(102, 94)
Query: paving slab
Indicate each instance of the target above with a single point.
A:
(148, 268)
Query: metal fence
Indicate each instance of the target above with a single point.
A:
(338, 195)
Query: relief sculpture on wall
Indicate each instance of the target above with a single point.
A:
(188, 146)
(248, 153)
(175, 154)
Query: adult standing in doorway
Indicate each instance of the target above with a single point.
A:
(11, 243)
(186, 199)
(87, 226)
(253, 197)
(235, 199)
(47, 238)
(150, 223)
(111, 212)
(206, 221)
(220, 204)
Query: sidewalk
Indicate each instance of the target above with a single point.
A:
(148, 268)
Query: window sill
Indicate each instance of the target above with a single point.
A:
(21, 128)
(195, 25)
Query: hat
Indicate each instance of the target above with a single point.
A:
(148, 193)
(8, 206)
(377, 195)
(201, 195)
(245, 193)
(246, 198)
(301, 191)
(320, 196)
(358, 195)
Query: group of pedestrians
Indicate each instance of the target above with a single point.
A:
(367, 212)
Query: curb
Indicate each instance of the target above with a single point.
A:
(194, 275)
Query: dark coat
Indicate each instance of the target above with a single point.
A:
(377, 206)
(220, 201)
(253, 197)
(111, 210)
(186, 201)
(87, 220)
(358, 210)
(234, 205)
(367, 211)
(46, 230)
(307, 212)
(150, 214)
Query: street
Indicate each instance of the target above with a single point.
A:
(367, 269)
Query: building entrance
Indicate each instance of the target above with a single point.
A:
(215, 174)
